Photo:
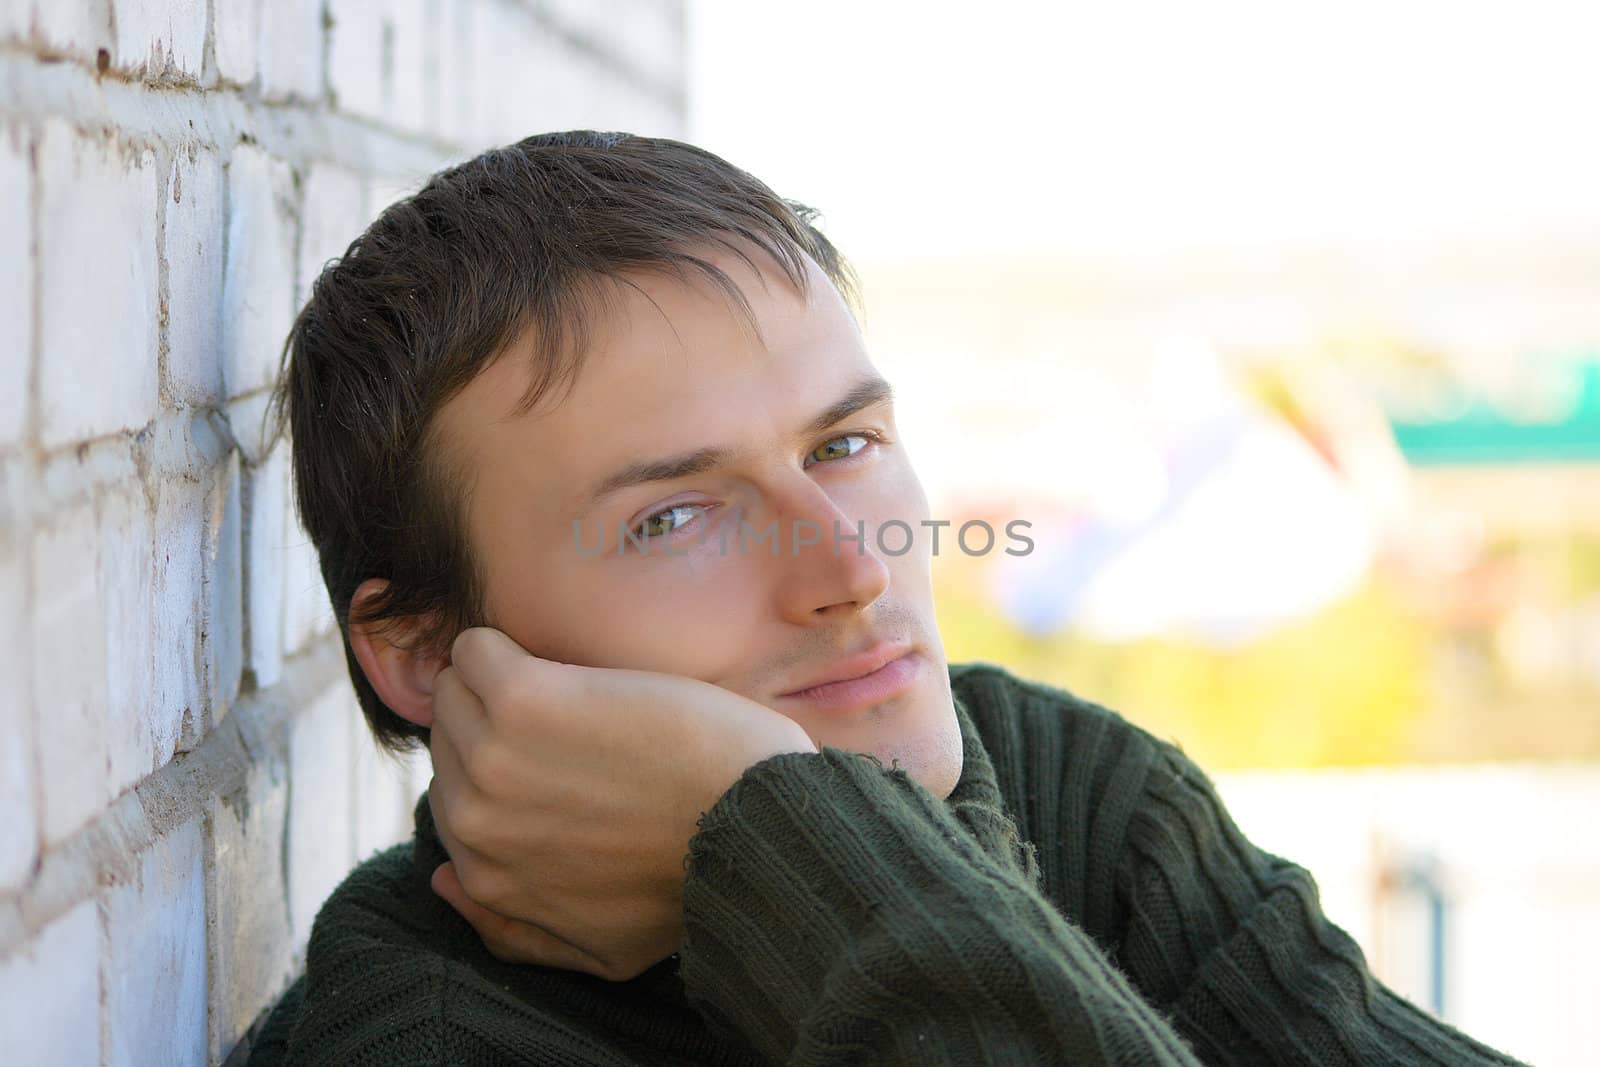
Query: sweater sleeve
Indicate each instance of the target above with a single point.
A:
(375, 995)
(1231, 942)
(835, 912)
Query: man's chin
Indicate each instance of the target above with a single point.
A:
(928, 749)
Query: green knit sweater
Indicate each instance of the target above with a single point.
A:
(1081, 897)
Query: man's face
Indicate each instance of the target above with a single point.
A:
(673, 370)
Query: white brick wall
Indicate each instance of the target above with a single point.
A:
(191, 250)
(186, 774)
(16, 280)
(161, 39)
(258, 281)
(49, 988)
(155, 997)
(97, 223)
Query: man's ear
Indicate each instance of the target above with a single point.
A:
(403, 678)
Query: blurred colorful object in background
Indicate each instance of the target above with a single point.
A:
(1244, 524)
(1548, 411)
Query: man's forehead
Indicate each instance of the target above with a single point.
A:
(670, 366)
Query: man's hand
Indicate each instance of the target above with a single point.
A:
(566, 797)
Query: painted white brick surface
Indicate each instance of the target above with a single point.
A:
(456, 110)
(79, 29)
(258, 286)
(385, 790)
(96, 236)
(334, 214)
(140, 735)
(291, 49)
(510, 105)
(223, 564)
(160, 38)
(14, 16)
(16, 281)
(306, 608)
(409, 88)
(50, 991)
(19, 844)
(69, 672)
(172, 179)
(181, 665)
(320, 837)
(236, 37)
(155, 968)
(248, 916)
(192, 249)
(356, 57)
(266, 567)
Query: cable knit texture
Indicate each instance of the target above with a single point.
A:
(1081, 897)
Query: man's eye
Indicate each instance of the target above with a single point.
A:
(664, 522)
(833, 449)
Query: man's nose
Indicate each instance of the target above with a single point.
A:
(827, 558)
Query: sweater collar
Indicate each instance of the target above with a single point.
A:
(977, 804)
(977, 783)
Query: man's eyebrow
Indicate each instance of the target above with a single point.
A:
(864, 394)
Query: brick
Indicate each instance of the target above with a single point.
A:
(78, 29)
(50, 993)
(386, 790)
(385, 189)
(16, 283)
(589, 18)
(657, 40)
(155, 972)
(236, 36)
(291, 49)
(258, 284)
(307, 611)
(247, 916)
(160, 38)
(356, 56)
(409, 87)
(333, 213)
(321, 790)
(455, 115)
(180, 607)
(96, 242)
(69, 672)
(192, 250)
(223, 577)
(19, 846)
(249, 424)
(134, 720)
(644, 35)
(265, 567)
(515, 62)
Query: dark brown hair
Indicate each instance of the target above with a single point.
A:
(515, 242)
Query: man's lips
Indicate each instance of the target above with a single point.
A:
(883, 672)
(856, 666)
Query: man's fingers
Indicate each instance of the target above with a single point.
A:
(509, 940)
(487, 659)
(457, 710)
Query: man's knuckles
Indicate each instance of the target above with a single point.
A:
(491, 766)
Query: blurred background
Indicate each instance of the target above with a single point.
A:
(1281, 325)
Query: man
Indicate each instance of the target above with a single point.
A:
(611, 507)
